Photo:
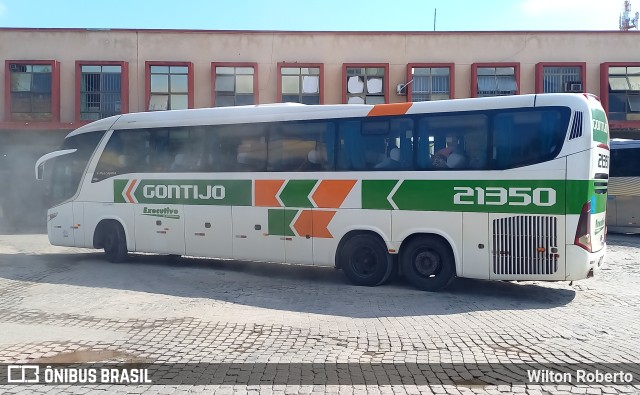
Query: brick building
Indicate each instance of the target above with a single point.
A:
(58, 79)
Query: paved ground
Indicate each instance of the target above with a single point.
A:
(63, 305)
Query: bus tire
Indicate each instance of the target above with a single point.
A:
(428, 263)
(115, 243)
(364, 260)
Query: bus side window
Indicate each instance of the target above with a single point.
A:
(526, 137)
(300, 146)
(383, 144)
(424, 146)
(454, 141)
(239, 148)
(350, 149)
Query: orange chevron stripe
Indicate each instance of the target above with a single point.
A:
(331, 193)
(321, 220)
(304, 223)
(266, 191)
(314, 223)
(389, 109)
(128, 193)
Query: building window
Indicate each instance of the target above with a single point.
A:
(624, 93)
(103, 89)
(169, 86)
(234, 84)
(33, 90)
(560, 77)
(429, 82)
(300, 83)
(494, 80)
(366, 84)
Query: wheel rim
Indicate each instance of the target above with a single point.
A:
(364, 262)
(427, 263)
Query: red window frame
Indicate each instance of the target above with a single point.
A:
(474, 75)
(147, 80)
(301, 65)
(256, 97)
(124, 83)
(450, 66)
(604, 93)
(385, 66)
(540, 73)
(55, 89)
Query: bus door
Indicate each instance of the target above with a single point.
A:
(208, 231)
(258, 233)
(159, 228)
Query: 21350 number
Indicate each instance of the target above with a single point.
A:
(498, 196)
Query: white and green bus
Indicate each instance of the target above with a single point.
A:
(502, 188)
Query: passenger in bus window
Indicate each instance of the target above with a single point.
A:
(312, 163)
(456, 160)
(443, 158)
(179, 163)
(392, 161)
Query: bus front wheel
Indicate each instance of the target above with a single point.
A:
(427, 263)
(364, 260)
(115, 243)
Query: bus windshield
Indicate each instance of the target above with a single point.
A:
(68, 169)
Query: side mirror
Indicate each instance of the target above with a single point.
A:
(40, 171)
(40, 163)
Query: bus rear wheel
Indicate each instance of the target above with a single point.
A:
(115, 243)
(364, 260)
(428, 264)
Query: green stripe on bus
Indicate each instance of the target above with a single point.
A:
(193, 192)
(491, 196)
(375, 192)
(118, 189)
(279, 221)
(499, 196)
(600, 126)
(296, 193)
(580, 191)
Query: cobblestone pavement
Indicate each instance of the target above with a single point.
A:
(68, 305)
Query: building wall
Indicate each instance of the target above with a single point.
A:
(23, 208)
(329, 48)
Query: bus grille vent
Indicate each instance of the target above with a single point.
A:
(576, 126)
(525, 245)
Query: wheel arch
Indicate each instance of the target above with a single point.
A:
(446, 238)
(101, 226)
(352, 233)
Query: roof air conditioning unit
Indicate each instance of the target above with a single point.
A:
(573, 87)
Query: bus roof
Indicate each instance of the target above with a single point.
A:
(624, 143)
(294, 111)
